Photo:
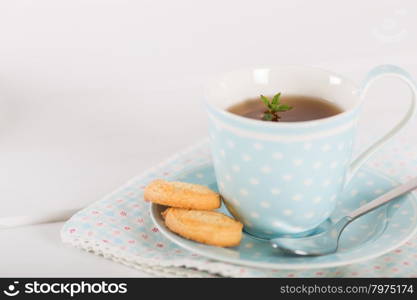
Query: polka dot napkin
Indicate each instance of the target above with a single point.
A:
(119, 227)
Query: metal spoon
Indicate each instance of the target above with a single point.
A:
(327, 242)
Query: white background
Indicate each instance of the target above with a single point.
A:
(93, 92)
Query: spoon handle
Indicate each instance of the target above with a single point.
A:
(398, 191)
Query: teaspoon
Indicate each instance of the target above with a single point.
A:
(328, 241)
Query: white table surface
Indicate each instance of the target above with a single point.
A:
(35, 251)
(93, 92)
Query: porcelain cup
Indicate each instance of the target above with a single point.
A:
(284, 178)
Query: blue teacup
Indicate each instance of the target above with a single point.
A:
(285, 178)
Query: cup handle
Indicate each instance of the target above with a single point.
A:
(374, 74)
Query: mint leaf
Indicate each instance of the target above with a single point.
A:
(273, 107)
(267, 117)
(284, 107)
(265, 100)
(275, 100)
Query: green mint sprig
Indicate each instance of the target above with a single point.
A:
(273, 108)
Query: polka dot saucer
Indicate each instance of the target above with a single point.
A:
(370, 236)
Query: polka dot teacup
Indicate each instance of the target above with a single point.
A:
(285, 178)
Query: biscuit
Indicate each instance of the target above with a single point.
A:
(208, 227)
(182, 195)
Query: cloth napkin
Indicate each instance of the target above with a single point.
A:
(119, 228)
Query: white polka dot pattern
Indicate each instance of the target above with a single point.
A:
(120, 225)
(305, 176)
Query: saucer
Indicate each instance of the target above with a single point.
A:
(372, 235)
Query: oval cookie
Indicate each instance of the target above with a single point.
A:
(208, 227)
(182, 195)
